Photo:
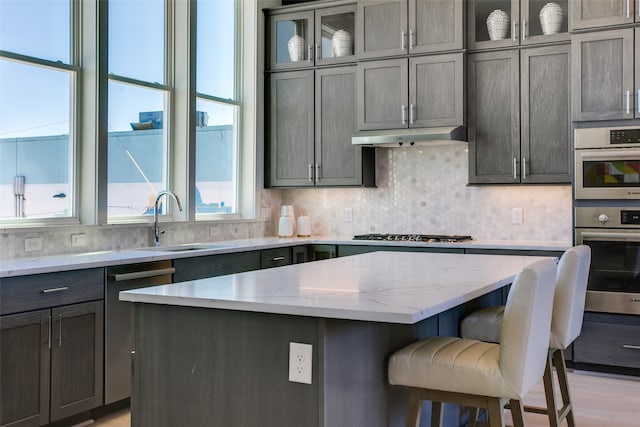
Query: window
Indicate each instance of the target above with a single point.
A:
(99, 156)
(217, 108)
(37, 83)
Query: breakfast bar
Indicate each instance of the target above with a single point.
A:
(216, 351)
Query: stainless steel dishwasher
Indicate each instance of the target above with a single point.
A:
(118, 346)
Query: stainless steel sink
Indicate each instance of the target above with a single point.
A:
(187, 247)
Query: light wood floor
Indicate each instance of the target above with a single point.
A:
(600, 401)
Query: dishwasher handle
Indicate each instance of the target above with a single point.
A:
(141, 274)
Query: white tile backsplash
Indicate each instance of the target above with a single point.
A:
(424, 190)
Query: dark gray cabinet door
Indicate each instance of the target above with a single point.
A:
(599, 13)
(477, 32)
(545, 154)
(337, 161)
(291, 120)
(382, 28)
(494, 117)
(383, 90)
(24, 371)
(436, 90)
(602, 75)
(76, 358)
(435, 25)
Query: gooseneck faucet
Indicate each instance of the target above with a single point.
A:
(156, 230)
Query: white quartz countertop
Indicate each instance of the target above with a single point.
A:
(395, 287)
(77, 261)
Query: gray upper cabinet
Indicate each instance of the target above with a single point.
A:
(307, 38)
(419, 91)
(599, 13)
(603, 75)
(519, 127)
(505, 23)
(398, 27)
(311, 125)
(291, 129)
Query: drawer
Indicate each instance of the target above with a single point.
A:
(37, 291)
(608, 344)
(275, 257)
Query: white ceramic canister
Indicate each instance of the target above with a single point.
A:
(296, 48)
(341, 43)
(286, 223)
(304, 226)
(551, 16)
(498, 24)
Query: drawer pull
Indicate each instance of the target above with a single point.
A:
(60, 332)
(50, 290)
(141, 274)
(632, 347)
(49, 322)
(277, 258)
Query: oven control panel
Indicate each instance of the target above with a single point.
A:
(630, 217)
(624, 136)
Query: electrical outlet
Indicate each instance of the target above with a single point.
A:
(78, 240)
(300, 362)
(33, 244)
(516, 216)
(348, 214)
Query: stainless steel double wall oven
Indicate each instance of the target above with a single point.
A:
(607, 215)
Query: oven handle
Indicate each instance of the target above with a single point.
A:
(609, 154)
(600, 236)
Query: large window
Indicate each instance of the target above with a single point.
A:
(217, 108)
(37, 109)
(105, 104)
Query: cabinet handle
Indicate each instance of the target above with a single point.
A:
(628, 9)
(49, 322)
(524, 31)
(277, 258)
(310, 172)
(410, 39)
(141, 274)
(515, 166)
(631, 347)
(50, 290)
(310, 53)
(411, 113)
(524, 168)
(317, 172)
(60, 331)
(638, 94)
(317, 52)
(402, 43)
(514, 34)
(628, 99)
(404, 114)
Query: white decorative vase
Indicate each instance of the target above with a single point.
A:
(551, 16)
(296, 48)
(341, 43)
(498, 24)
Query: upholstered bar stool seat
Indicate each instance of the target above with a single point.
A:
(566, 325)
(482, 374)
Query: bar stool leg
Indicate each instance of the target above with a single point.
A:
(473, 417)
(496, 412)
(550, 392)
(561, 371)
(517, 413)
(414, 410)
(436, 414)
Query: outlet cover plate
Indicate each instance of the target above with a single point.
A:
(300, 362)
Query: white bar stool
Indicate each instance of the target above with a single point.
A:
(566, 325)
(481, 374)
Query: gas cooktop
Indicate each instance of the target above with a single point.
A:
(428, 238)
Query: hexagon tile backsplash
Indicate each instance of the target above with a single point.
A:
(424, 190)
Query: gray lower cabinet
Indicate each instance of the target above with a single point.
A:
(396, 27)
(311, 122)
(51, 363)
(422, 91)
(609, 340)
(603, 75)
(519, 117)
(598, 13)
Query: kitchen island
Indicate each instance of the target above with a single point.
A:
(216, 351)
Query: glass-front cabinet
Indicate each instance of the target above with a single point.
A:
(307, 38)
(505, 23)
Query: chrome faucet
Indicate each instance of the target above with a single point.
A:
(156, 231)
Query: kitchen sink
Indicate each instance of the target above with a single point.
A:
(187, 247)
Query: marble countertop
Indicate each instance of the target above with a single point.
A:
(395, 287)
(48, 264)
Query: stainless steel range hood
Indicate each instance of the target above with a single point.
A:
(410, 137)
